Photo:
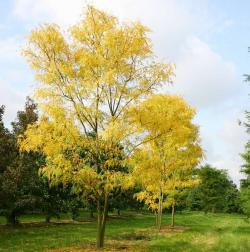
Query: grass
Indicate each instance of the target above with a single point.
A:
(195, 231)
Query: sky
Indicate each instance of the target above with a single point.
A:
(207, 40)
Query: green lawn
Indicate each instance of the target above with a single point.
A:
(134, 232)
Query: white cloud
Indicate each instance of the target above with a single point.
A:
(203, 76)
(234, 137)
(10, 49)
(223, 140)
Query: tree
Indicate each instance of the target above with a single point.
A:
(88, 82)
(22, 188)
(246, 155)
(164, 166)
(25, 117)
(216, 192)
(19, 184)
(244, 200)
(20, 180)
(124, 199)
(8, 153)
(8, 150)
(245, 183)
(179, 182)
(232, 198)
(57, 199)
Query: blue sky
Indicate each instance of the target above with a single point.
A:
(207, 40)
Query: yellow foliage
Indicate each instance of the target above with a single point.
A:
(171, 149)
(89, 77)
(96, 69)
(96, 93)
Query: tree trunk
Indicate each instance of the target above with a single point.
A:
(101, 222)
(47, 219)
(119, 212)
(156, 219)
(91, 214)
(11, 218)
(172, 222)
(160, 211)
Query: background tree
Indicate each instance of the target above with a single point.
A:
(8, 153)
(8, 150)
(245, 183)
(20, 180)
(125, 200)
(179, 182)
(87, 84)
(57, 199)
(244, 200)
(215, 193)
(22, 189)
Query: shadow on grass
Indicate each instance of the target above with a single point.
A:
(242, 230)
(133, 236)
(41, 224)
(79, 220)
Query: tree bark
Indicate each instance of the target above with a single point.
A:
(101, 221)
(99, 214)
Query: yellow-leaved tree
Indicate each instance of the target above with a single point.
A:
(164, 165)
(88, 78)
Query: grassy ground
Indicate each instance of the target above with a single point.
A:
(132, 232)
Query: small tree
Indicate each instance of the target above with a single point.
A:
(179, 181)
(164, 165)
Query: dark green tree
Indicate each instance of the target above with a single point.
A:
(215, 193)
(246, 155)
(124, 199)
(8, 153)
(19, 179)
(8, 150)
(57, 199)
(245, 183)
(21, 187)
